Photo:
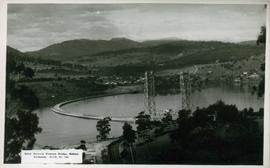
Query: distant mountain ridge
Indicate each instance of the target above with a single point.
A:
(250, 42)
(15, 52)
(168, 52)
(79, 47)
(72, 48)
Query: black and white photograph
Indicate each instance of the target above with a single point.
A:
(135, 83)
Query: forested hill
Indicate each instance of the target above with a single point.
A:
(18, 56)
(173, 54)
(166, 53)
(12, 52)
(69, 50)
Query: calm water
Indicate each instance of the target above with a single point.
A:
(59, 130)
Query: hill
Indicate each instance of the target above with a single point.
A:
(161, 41)
(250, 42)
(123, 54)
(16, 54)
(69, 50)
(172, 54)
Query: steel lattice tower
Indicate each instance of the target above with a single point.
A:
(185, 91)
(149, 91)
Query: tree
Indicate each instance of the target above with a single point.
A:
(28, 72)
(261, 86)
(19, 68)
(28, 98)
(128, 133)
(20, 134)
(262, 36)
(225, 113)
(261, 40)
(11, 65)
(143, 121)
(103, 127)
(167, 119)
(20, 127)
(183, 115)
(129, 137)
(233, 138)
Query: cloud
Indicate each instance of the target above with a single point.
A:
(34, 26)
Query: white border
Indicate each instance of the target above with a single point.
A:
(3, 42)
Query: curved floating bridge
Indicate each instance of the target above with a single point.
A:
(57, 109)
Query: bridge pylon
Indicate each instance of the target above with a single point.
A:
(150, 93)
(185, 91)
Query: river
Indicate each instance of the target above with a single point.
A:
(59, 130)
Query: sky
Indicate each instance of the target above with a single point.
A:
(35, 26)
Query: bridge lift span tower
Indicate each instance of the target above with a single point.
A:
(150, 93)
(185, 91)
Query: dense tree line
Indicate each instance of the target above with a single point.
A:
(261, 40)
(218, 134)
(20, 127)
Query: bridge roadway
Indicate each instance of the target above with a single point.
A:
(58, 110)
